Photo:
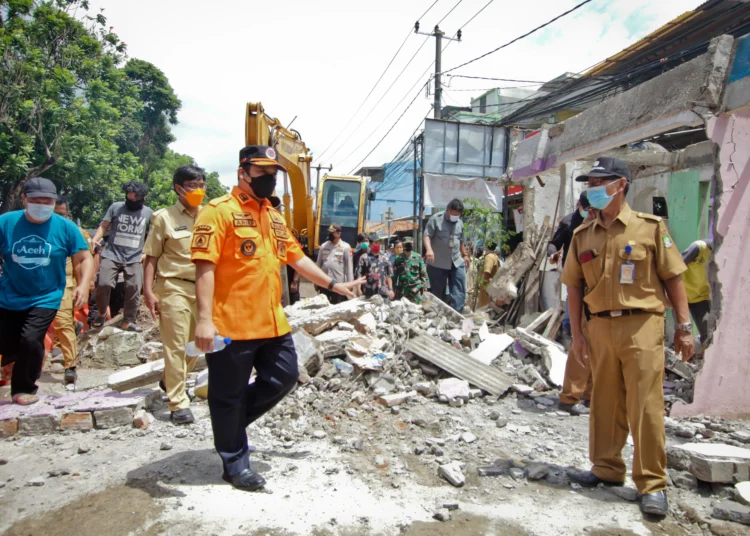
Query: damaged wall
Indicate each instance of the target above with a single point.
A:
(723, 386)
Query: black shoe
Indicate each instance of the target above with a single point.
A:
(587, 403)
(247, 480)
(655, 503)
(70, 376)
(575, 409)
(183, 416)
(589, 479)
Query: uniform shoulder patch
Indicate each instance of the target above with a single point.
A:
(651, 217)
(217, 201)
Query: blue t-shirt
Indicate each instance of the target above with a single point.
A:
(34, 257)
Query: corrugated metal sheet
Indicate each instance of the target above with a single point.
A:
(460, 364)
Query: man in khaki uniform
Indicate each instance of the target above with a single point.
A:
(65, 322)
(491, 265)
(172, 298)
(627, 260)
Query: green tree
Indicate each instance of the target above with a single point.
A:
(482, 225)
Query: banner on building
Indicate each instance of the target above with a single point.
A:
(439, 190)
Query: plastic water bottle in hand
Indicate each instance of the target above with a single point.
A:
(219, 344)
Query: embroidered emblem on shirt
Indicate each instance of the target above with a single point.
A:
(201, 241)
(248, 248)
(666, 241)
(282, 249)
(202, 228)
(280, 231)
(182, 228)
(244, 198)
(243, 219)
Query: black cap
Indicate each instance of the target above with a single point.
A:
(583, 199)
(606, 166)
(260, 155)
(40, 187)
(335, 227)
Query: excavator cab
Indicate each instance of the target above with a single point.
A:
(343, 200)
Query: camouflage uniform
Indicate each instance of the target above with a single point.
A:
(377, 269)
(410, 280)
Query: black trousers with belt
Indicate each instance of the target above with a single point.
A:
(234, 404)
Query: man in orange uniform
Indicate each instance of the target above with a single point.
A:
(238, 247)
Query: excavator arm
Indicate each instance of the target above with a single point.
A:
(261, 129)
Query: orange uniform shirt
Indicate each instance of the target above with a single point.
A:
(248, 243)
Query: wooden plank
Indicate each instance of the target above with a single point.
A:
(541, 319)
(460, 364)
(553, 332)
(551, 325)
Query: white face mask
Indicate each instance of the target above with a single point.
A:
(454, 219)
(39, 212)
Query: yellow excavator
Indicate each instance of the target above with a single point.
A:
(341, 199)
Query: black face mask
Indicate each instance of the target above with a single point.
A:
(134, 205)
(263, 186)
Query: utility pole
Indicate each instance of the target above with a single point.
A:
(319, 167)
(439, 35)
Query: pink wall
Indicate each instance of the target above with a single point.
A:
(723, 386)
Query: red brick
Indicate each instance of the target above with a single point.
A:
(77, 421)
(8, 428)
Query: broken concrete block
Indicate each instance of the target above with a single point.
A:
(313, 318)
(142, 419)
(429, 370)
(332, 343)
(742, 492)
(530, 376)
(139, 376)
(453, 474)
(83, 422)
(492, 470)
(201, 385)
(553, 355)
(516, 473)
(537, 471)
(678, 459)
(491, 347)
(717, 462)
(683, 480)
(113, 417)
(625, 493)
(424, 388)
(309, 355)
(442, 515)
(151, 351)
(742, 437)
(674, 364)
(712, 469)
(468, 437)
(8, 428)
(731, 511)
(396, 399)
(39, 424)
(366, 324)
(453, 388)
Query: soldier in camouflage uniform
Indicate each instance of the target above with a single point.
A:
(410, 274)
(378, 271)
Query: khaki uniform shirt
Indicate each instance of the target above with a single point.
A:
(70, 281)
(169, 242)
(654, 256)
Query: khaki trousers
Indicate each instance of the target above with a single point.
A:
(578, 382)
(177, 326)
(65, 330)
(627, 360)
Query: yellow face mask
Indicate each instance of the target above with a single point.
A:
(399, 250)
(195, 197)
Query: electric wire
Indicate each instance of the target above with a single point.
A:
(494, 79)
(451, 11)
(518, 38)
(377, 82)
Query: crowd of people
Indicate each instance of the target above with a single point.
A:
(197, 264)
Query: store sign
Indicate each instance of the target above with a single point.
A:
(439, 190)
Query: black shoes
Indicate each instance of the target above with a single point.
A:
(575, 409)
(655, 503)
(589, 479)
(183, 416)
(247, 480)
(70, 376)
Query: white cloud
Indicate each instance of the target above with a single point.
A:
(317, 60)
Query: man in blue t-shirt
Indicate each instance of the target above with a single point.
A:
(35, 244)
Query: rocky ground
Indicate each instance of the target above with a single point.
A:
(338, 461)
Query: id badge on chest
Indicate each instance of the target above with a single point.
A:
(627, 273)
(451, 242)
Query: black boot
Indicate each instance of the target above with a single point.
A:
(575, 409)
(247, 480)
(183, 416)
(655, 503)
(589, 479)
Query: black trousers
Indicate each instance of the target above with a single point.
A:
(22, 342)
(234, 404)
(333, 298)
(700, 311)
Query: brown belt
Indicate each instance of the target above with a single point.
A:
(623, 312)
(181, 279)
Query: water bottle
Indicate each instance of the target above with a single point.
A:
(191, 350)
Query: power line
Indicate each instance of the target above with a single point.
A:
(451, 11)
(519, 38)
(390, 129)
(495, 79)
(476, 14)
(376, 83)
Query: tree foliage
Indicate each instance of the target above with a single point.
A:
(74, 109)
